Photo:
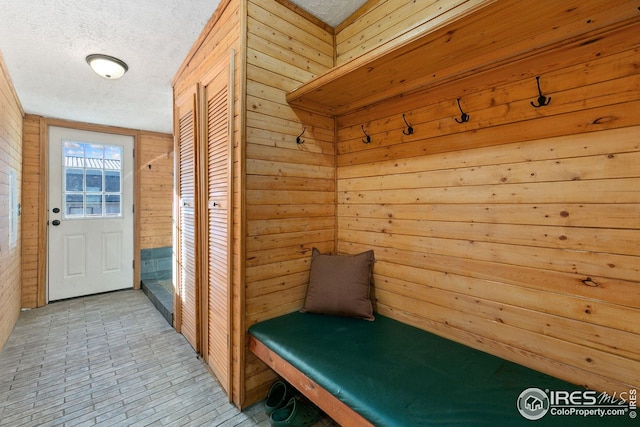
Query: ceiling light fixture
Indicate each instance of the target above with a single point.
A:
(107, 66)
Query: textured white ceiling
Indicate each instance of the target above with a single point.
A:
(44, 44)
(333, 12)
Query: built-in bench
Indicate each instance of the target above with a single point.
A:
(387, 373)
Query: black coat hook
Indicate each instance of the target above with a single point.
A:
(368, 140)
(542, 100)
(409, 130)
(298, 139)
(464, 117)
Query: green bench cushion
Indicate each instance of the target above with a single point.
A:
(394, 374)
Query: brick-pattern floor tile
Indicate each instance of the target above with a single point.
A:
(110, 360)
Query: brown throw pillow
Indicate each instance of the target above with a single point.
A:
(339, 285)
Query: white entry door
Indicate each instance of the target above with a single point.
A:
(90, 213)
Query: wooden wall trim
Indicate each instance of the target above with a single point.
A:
(42, 215)
(202, 221)
(153, 134)
(91, 127)
(175, 231)
(362, 10)
(230, 215)
(137, 208)
(240, 185)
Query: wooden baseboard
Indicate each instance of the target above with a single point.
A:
(336, 409)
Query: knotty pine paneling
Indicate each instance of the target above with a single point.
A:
(31, 222)
(221, 35)
(156, 189)
(290, 188)
(483, 231)
(390, 22)
(516, 232)
(11, 124)
(496, 34)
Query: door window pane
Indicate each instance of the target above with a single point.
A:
(74, 205)
(112, 204)
(112, 181)
(94, 155)
(74, 180)
(112, 156)
(92, 179)
(94, 205)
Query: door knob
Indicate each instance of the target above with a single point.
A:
(56, 222)
(56, 210)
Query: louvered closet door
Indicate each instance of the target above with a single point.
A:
(187, 304)
(218, 173)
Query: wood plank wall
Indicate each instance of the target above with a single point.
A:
(11, 118)
(517, 232)
(498, 233)
(154, 192)
(156, 189)
(290, 188)
(387, 23)
(222, 35)
(33, 256)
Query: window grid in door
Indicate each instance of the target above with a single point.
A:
(92, 180)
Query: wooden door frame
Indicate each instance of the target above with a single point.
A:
(43, 235)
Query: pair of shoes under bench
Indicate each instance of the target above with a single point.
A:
(286, 410)
(279, 395)
(296, 413)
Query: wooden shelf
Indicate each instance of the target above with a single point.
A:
(483, 35)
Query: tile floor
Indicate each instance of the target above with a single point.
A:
(109, 360)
